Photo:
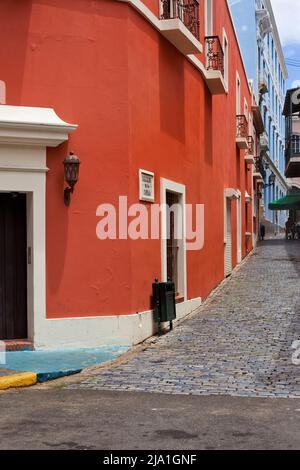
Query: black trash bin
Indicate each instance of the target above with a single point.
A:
(164, 304)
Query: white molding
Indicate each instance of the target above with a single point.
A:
(226, 59)
(168, 185)
(141, 8)
(238, 97)
(160, 25)
(231, 193)
(21, 125)
(180, 36)
(209, 17)
(34, 185)
(247, 113)
(23, 169)
(24, 134)
(96, 331)
(276, 37)
(239, 226)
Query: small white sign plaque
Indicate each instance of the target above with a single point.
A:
(146, 186)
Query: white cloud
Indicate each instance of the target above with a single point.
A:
(296, 84)
(287, 14)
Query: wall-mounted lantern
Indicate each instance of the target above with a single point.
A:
(71, 165)
(272, 179)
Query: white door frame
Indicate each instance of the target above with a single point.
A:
(239, 226)
(168, 185)
(229, 194)
(24, 135)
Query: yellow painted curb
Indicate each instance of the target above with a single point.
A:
(24, 379)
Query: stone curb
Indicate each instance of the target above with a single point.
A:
(27, 379)
(24, 379)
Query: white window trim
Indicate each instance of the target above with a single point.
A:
(246, 111)
(226, 59)
(238, 94)
(239, 226)
(209, 18)
(168, 185)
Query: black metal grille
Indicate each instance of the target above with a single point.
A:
(186, 10)
(241, 126)
(214, 54)
(292, 147)
(250, 145)
(259, 167)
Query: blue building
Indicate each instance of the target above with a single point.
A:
(265, 65)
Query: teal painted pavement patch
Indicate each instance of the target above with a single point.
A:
(63, 362)
(46, 376)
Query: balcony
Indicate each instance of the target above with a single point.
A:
(292, 157)
(263, 86)
(249, 155)
(180, 24)
(259, 170)
(215, 65)
(242, 132)
(264, 142)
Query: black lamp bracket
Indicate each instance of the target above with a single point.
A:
(67, 195)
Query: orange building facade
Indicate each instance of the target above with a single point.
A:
(148, 90)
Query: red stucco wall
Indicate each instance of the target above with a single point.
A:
(139, 104)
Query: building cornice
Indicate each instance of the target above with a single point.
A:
(277, 38)
(21, 125)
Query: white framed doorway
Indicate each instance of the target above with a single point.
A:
(25, 133)
(229, 195)
(239, 226)
(228, 238)
(173, 242)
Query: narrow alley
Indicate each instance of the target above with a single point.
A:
(238, 344)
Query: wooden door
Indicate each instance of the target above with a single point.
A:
(13, 266)
(172, 243)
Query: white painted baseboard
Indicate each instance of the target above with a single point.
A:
(91, 332)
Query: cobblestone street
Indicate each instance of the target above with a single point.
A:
(239, 343)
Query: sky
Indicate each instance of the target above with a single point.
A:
(287, 14)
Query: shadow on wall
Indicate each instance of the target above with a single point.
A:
(58, 215)
(207, 129)
(171, 89)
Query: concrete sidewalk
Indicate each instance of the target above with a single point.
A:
(26, 368)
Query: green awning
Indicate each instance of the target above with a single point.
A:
(291, 201)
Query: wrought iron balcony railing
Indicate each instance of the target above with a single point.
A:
(186, 10)
(264, 142)
(214, 54)
(250, 145)
(259, 167)
(241, 127)
(292, 147)
(263, 83)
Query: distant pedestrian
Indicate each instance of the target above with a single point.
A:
(262, 232)
(298, 230)
(290, 229)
